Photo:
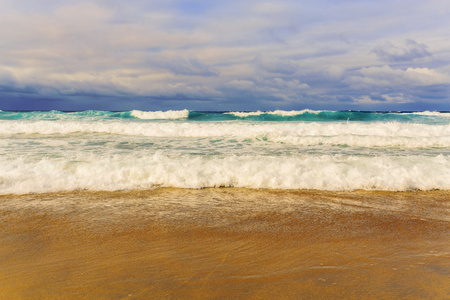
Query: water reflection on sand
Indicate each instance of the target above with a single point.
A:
(177, 243)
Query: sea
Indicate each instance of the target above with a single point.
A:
(55, 151)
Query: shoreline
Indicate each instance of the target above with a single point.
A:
(148, 191)
(225, 242)
(426, 204)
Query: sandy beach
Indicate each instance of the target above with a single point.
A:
(225, 243)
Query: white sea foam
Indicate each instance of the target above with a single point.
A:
(326, 172)
(160, 115)
(126, 153)
(429, 113)
(350, 134)
(276, 112)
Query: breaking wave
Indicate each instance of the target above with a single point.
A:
(306, 115)
(46, 151)
(160, 115)
(326, 172)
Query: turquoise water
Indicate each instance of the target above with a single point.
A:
(274, 116)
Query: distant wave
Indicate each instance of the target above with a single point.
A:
(306, 115)
(430, 113)
(160, 115)
(282, 113)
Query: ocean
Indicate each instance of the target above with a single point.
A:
(52, 151)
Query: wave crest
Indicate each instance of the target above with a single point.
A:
(326, 172)
(160, 115)
(283, 113)
(431, 113)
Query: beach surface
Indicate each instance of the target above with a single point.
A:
(225, 243)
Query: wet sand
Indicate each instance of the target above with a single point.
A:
(225, 243)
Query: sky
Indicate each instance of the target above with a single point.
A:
(225, 55)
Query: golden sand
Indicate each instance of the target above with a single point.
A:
(225, 243)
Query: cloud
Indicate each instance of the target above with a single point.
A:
(263, 89)
(389, 77)
(286, 52)
(397, 98)
(6, 76)
(241, 84)
(408, 51)
(385, 99)
(186, 66)
(293, 84)
(276, 65)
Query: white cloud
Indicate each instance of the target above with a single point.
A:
(396, 98)
(385, 99)
(426, 76)
(387, 76)
(293, 84)
(241, 84)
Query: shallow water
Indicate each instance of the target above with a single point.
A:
(225, 243)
